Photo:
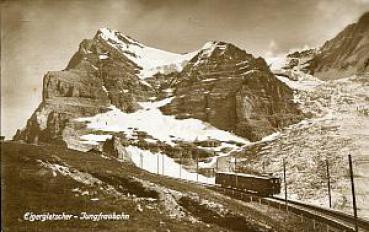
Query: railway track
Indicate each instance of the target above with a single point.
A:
(362, 224)
(331, 220)
(321, 219)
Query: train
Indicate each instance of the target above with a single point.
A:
(261, 185)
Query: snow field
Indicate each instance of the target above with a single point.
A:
(151, 60)
(162, 127)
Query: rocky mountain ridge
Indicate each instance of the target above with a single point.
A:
(234, 91)
(344, 55)
(219, 86)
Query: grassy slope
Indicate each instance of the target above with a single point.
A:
(27, 186)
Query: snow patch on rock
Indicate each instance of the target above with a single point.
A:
(162, 127)
(151, 60)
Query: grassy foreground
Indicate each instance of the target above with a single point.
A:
(48, 178)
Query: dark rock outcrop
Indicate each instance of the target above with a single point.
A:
(344, 55)
(233, 91)
(96, 77)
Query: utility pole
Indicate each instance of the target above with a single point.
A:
(141, 160)
(329, 184)
(180, 166)
(235, 164)
(230, 164)
(353, 192)
(235, 170)
(197, 167)
(162, 164)
(285, 180)
(157, 163)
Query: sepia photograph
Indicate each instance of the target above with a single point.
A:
(184, 115)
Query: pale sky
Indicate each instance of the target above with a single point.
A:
(42, 35)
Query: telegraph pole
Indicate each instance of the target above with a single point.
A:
(162, 164)
(157, 163)
(230, 164)
(141, 159)
(285, 180)
(180, 166)
(235, 164)
(353, 193)
(329, 184)
(197, 167)
(235, 170)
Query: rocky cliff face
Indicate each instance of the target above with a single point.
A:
(101, 73)
(344, 55)
(234, 91)
(219, 84)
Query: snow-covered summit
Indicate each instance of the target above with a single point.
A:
(151, 60)
(210, 46)
(220, 51)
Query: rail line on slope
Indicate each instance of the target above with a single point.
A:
(332, 220)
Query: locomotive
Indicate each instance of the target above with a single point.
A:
(266, 186)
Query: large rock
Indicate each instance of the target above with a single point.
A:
(96, 77)
(233, 91)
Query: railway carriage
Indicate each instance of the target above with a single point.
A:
(251, 183)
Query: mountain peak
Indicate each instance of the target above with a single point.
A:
(153, 60)
(150, 60)
(115, 36)
(364, 18)
(363, 23)
(214, 44)
(346, 54)
(210, 46)
(219, 51)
